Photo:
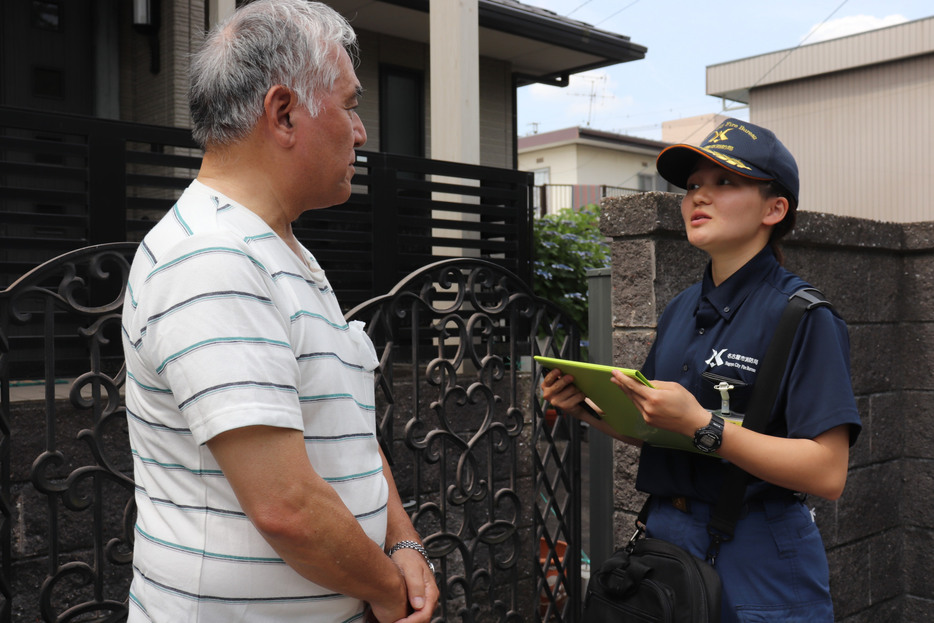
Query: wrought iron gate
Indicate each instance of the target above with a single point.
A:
(492, 484)
(66, 488)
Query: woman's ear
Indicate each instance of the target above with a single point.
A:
(278, 106)
(777, 208)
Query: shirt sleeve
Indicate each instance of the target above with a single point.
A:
(215, 335)
(818, 393)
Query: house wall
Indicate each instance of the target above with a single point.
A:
(855, 113)
(880, 277)
(561, 162)
(861, 138)
(583, 163)
(161, 99)
(497, 126)
(612, 167)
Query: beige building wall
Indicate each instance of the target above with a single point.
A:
(583, 162)
(161, 99)
(690, 130)
(560, 161)
(862, 139)
(612, 167)
(856, 113)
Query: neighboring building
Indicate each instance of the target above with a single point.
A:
(690, 130)
(577, 166)
(128, 60)
(856, 113)
(439, 79)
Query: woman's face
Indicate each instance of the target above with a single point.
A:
(725, 213)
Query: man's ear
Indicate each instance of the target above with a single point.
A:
(776, 210)
(278, 106)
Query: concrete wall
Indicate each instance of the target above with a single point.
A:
(880, 277)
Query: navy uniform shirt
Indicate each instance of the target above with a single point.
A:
(708, 334)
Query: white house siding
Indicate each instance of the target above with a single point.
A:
(561, 162)
(496, 125)
(496, 122)
(856, 113)
(609, 167)
(862, 138)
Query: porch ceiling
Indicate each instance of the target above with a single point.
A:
(540, 45)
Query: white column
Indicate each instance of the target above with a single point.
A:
(455, 102)
(455, 81)
(219, 10)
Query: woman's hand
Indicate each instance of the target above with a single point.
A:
(665, 405)
(816, 466)
(560, 392)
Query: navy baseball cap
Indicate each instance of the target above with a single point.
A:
(741, 147)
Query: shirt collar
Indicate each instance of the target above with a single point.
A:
(729, 295)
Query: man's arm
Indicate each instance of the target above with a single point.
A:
(304, 519)
(420, 582)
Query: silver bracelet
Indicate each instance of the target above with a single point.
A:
(412, 545)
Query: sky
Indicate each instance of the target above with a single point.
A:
(683, 37)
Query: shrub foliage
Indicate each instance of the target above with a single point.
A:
(567, 244)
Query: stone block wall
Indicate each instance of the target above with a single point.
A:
(880, 277)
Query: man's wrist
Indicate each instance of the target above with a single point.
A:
(413, 545)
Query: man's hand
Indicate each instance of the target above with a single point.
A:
(420, 585)
(387, 612)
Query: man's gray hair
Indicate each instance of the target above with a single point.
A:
(263, 44)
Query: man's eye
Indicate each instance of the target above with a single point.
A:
(725, 181)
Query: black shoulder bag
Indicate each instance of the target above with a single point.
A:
(653, 580)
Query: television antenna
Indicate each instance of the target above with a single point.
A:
(593, 95)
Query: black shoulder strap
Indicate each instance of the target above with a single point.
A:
(726, 513)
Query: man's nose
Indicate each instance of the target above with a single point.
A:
(359, 132)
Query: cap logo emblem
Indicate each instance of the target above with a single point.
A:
(719, 135)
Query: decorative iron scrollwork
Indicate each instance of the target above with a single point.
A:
(71, 306)
(451, 338)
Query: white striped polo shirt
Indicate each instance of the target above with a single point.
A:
(224, 327)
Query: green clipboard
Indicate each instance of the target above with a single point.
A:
(618, 411)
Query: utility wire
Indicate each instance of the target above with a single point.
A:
(617, 13)
(802, 42)
(779, 61)
(579, 7)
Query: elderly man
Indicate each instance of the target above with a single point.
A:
(262, 492)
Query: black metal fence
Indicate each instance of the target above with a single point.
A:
(493, 484)
(71, 181)
(66, 488)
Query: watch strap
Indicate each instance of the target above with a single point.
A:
(716, 424)
(418, 547)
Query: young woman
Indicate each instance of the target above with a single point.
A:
(742, 189)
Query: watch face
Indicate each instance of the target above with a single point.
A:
(707, 440)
